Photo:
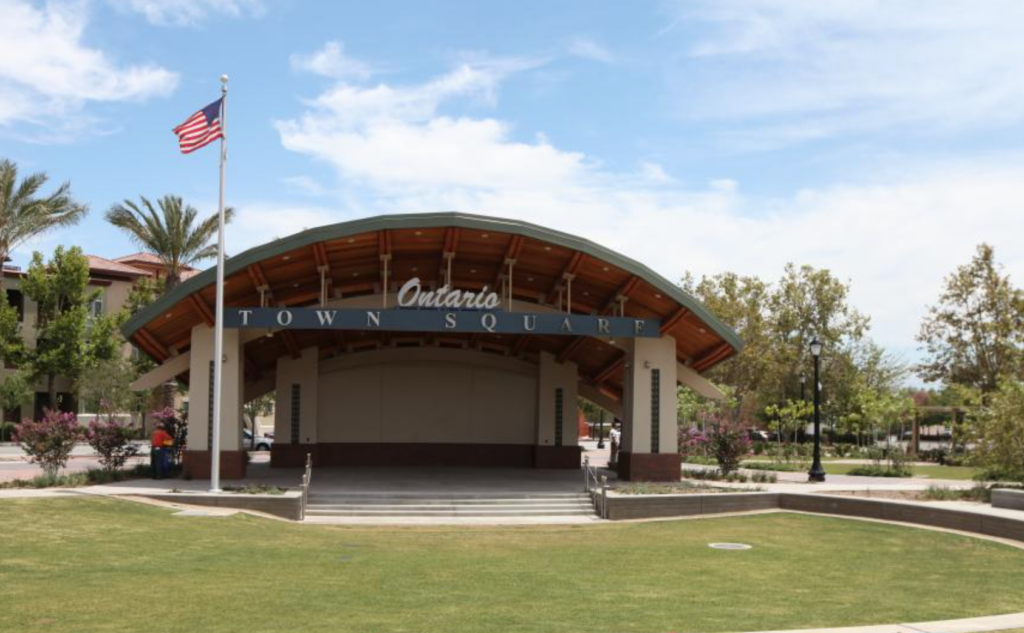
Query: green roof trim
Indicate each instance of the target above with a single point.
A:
(424, 221)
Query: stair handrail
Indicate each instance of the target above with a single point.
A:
(596, 486)
(307, 477)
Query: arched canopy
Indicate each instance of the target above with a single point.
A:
(351, 257)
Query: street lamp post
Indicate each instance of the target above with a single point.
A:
(817, 473)
(600, 430)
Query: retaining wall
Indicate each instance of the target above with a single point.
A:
(1012, 499)
(656, 506)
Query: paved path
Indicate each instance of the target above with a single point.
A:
(986, 624)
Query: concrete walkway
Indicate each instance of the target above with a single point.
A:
(986, 624)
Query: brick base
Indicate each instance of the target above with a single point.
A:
(649, 466)
(196, 464)
(563, 457)
(292, 455)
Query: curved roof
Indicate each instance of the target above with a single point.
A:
(479, 247)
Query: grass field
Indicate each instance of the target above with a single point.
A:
(932, 471)
(87, 565)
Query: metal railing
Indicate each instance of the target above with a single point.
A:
(307, 476)
(596, 486)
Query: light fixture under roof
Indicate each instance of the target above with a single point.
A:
(415, 268)
(286, 257)
(355, 274)
(657, 296)
(472, 271)
(351, 240)
(605, 269)
(419, 232)
(484, 235)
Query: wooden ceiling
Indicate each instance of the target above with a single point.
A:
(352, 257)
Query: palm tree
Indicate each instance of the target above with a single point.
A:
(24, 215)
(172, 233)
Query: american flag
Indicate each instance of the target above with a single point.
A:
(202, 128)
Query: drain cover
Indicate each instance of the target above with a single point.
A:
(729, 546)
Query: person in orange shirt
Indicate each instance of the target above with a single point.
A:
(159, 451)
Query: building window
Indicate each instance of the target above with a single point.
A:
(296, 411)
(96, 307)
(559, 397)
(655, 410)
(16, 300)
(209, 413)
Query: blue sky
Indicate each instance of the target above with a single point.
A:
(882, 140)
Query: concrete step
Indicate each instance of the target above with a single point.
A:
(448, 512)
(434, 505)
(452, 496)
(505, 507)
(426, 501)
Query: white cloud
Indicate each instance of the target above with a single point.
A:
(894, 238)
(331, 61)
(589, 49)
(47, 73)
(189, 12)
(797, 70)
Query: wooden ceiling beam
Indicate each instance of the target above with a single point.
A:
(609, 369)
(718, 353)
(202, 309)
(673, 320)
(511, 253)
(520, 345)
(570, 269)
(290, 343)
(623, 291)
(573, 346)
(155, 345)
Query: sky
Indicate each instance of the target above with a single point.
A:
(881, 139)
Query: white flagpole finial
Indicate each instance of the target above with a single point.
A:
(224, 79)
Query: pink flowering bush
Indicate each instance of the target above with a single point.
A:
(729, 442)
(112, 442)
(691, 442)
(49, 441)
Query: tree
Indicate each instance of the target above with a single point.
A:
(777, 322)
(263, 405)
(999, 429)
(12, 345)
(974, 336)
(68, 340)
(24, 214)
(172, 234)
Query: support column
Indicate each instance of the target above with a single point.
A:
(200, 413)
(650, 450)
(557, 431)
(295, 412)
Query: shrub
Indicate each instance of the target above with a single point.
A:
(49, 441)
(112, 441)
(6, 430)
(691, 443)
(729, 442)
(91, 477)
(876, 470)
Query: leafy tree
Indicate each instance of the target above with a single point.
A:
(974, 336)
(24, 214)
(12, 345)
(263, 405)
(15, 390)
(777, 322)
(68, 341)
(172, 233)
(1000, 432)
(789, 417)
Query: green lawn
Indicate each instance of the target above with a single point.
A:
(103, 565)
(962, 473)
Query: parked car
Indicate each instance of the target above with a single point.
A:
(256, 444)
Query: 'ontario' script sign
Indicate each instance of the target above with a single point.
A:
(440, 320)
(412, 295)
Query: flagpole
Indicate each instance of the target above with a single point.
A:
(218, 326)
